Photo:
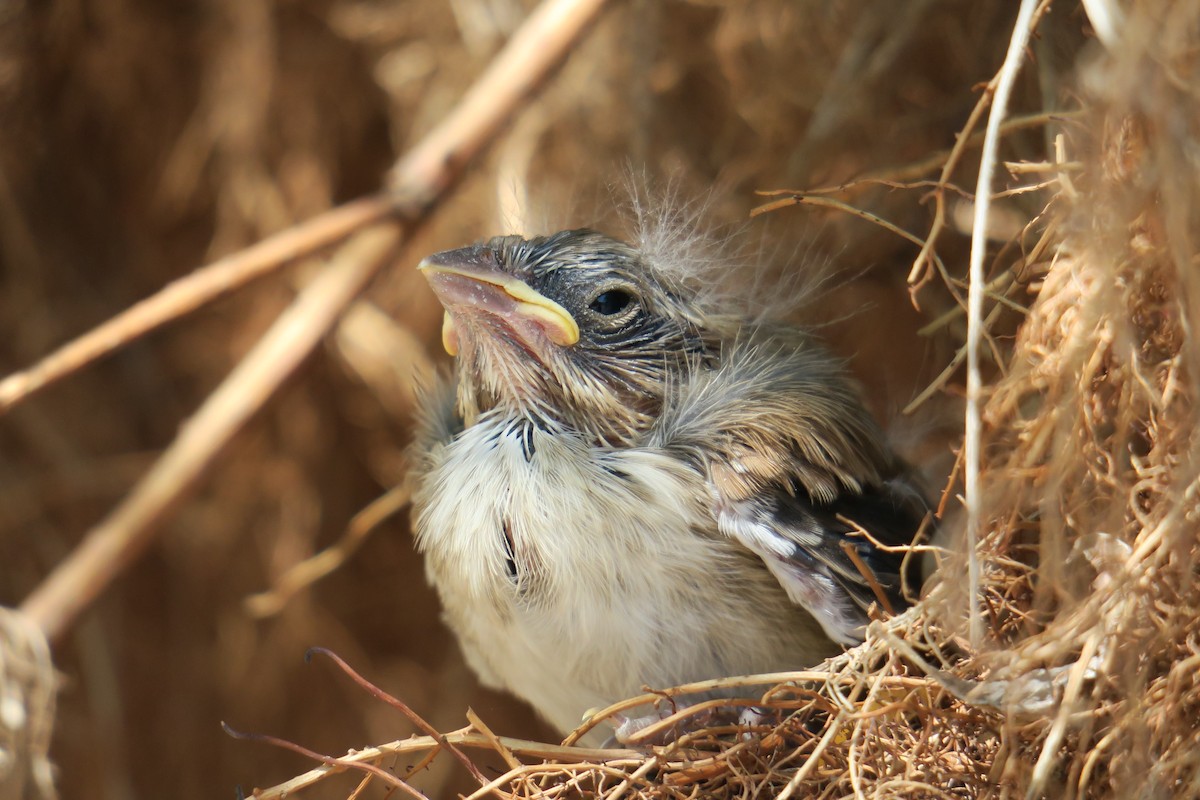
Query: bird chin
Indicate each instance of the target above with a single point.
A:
(515, 342)
(498, 366)
(511, 334)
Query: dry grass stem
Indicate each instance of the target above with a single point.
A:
(542, 41)
(1002, 91)
(417, 181)
(126, 532)
(1053, 656)
(27, 716)
(192, 292)
(301, 575)
(1080, 465)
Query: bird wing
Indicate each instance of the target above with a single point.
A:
(799, 473)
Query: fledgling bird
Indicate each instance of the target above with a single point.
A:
(632, 484)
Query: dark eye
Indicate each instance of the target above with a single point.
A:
(611, 302)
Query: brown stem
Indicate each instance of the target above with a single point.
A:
(419, 180)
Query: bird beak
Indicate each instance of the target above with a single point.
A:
(467, 280)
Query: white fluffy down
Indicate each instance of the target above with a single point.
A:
(572, 631)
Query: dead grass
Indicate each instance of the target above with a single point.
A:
(143, 142)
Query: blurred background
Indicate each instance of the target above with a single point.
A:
(140, 139)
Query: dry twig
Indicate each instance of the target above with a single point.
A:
(418, 181)
(125, 533)
(192, 292)
(1002, 87)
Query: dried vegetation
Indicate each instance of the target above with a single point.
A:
(141, 139)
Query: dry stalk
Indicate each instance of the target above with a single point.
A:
(192, 292)
(301, 575)
(126, 532)
(420, 179)
(1002, 88)
(1076, 678)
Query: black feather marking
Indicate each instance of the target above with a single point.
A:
(890, 516)
(617, 473)
(528, 448)
(510, 558)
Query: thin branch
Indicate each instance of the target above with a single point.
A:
(790, 198)
(460, 738)
(420, 178)
(1107, 20)
(833, 729)
(399, 705)
(130, 527)
(975, 331)
(300, 576)
(698, 688)
(937, 159)
(193, 291)
(478, 724)
(329, 761)
(531, 54)
(418, 181)
(1001, 283)
(915, 278)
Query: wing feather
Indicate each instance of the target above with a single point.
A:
(796, 466)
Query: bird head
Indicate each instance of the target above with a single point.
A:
(576, 328)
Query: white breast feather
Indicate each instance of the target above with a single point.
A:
(687, 603)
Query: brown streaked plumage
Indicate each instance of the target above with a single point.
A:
(637, 484)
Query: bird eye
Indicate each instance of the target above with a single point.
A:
(611, 302)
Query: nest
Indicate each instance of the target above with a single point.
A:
(1083, 684)
(1065, 667)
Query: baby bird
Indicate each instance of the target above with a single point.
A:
(631, 484)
